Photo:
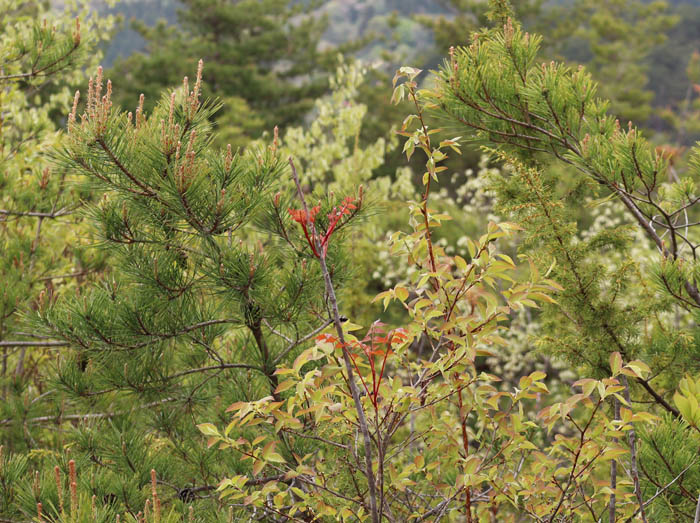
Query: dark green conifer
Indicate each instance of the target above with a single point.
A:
(263, 61)
(210, 289)
(620, 279)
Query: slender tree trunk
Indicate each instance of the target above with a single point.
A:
(633, 454)
(361, 418)
(613, 467)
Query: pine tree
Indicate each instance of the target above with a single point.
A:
(221, 315)
(42, 247)
(613, 38)
(531, 113)
(34, 56)
(466, 16)
(201, 305)
(263, 61)
(38, 219)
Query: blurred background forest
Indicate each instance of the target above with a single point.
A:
(269, 64)
(645, 54)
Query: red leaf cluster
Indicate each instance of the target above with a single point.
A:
(376, 344)
(308, 221)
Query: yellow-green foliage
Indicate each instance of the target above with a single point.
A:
(40, 235)
(446, 442)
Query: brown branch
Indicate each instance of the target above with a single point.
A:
(426, 193)
(79, 417)
(222, 366)
(147, 191)
(634, 471)
(34, 343)
(465, 446)
(361, 418)
(613, 467)
(298, 342)
(662, 490)
(573, 475)
(53, 214)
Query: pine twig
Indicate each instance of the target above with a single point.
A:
(53, 214)
(664, 489)
(33, 343)
(81, 417)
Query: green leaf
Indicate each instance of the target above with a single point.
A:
(401, 293)
(208, 429)
(615, 363)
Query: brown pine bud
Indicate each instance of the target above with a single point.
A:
(76, 33)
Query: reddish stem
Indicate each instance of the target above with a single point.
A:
(362, 380)
(386, 355)
(308, 239)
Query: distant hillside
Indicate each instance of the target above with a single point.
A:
(398, 38)
(390, 21)
(398, 35)
(127, 41)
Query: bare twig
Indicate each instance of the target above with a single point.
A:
(79, 417)
(34, 343)
(631, 435)
(301, 340)
(613, 467)
(361, 418)
(54, 214)
(276, 332)
(664, 489)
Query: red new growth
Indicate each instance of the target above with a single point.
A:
(373, 345)
(313, 237)
(300, 216)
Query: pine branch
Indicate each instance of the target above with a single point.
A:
(582, 289)
(66, 276)
(81, 417)
(662, 490)
(221, 366)
(46, 69)
(562, 103)
(155, 336)
(147, 191)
